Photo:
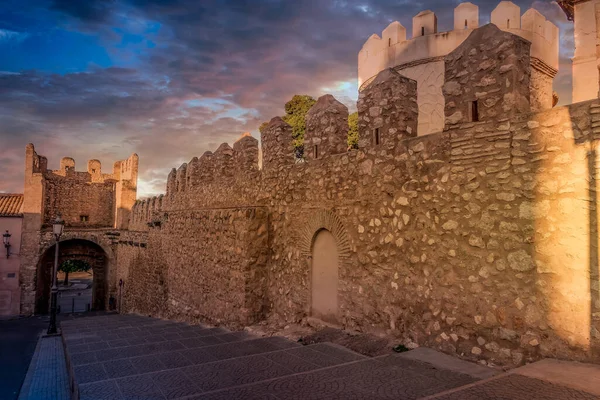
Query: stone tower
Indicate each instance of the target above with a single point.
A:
(586, 76)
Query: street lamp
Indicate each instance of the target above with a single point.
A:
(6, 239)
(57, 230)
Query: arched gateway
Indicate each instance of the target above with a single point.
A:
(73, 249)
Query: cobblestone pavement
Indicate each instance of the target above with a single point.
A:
(126, 357)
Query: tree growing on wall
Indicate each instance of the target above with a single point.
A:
(70, 266)
(295, 115)
(353, 130)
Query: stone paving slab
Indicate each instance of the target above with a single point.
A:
(517, 387)
(383, 378)
(135, 357)
(446, 362)
(47, 377)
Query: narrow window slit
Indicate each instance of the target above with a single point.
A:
(474, 111)
(376, 137)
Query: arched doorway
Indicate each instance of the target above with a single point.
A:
(324, 277)
(86, 252)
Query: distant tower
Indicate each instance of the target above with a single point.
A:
(586, 75)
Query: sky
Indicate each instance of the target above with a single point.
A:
(171, 79)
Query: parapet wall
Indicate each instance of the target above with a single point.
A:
(89, 198)
(477, 241)
(422, 57)
(480, 240)
(227, 177)
(393, 50)
(146, 214)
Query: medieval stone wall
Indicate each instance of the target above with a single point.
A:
(422, 57)
(488, 77)
(91, 203)
(80, 202)
(481, 240)
(172, 271)
(476, 241)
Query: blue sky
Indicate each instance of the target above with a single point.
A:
(170, 79)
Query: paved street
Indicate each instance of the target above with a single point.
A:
(131, 356)
(18, 338)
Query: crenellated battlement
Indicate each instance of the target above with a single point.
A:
(392, 49)
(87, 198)
(146, 213)
(222, 171)
(122, 170)
(421, 57)
(388, 116)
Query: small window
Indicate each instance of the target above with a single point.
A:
(84, 218)
(466, 24)
(11, 275)
(422, 31)
(474, 111)
(376, 137)
(316, 151)
(93, 171)
(390, 42)
(508, 24)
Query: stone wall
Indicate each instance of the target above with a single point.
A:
(74, 198)
(422, 57)
(430, 80)
(326, 128)
(474, 241)
(387, 111)
(91, 203)
(172, 271)
(488, 77)
(479, 241)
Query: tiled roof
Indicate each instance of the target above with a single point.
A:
(11, 205)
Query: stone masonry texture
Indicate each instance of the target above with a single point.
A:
(480, 241)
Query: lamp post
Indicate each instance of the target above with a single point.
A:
(57, 229)
(6, 239)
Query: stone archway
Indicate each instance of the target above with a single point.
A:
(75, 249)
(324, 276)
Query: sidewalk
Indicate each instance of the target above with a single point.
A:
(47, 377)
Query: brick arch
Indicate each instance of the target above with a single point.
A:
(317, 221)
(99, 256)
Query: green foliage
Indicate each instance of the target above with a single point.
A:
(295, 115)
(353, 130)
(263, 126)
(74, 266)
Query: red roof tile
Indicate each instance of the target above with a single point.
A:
(11, 205)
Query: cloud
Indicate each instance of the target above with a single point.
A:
(187, 75)
(7, 36)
